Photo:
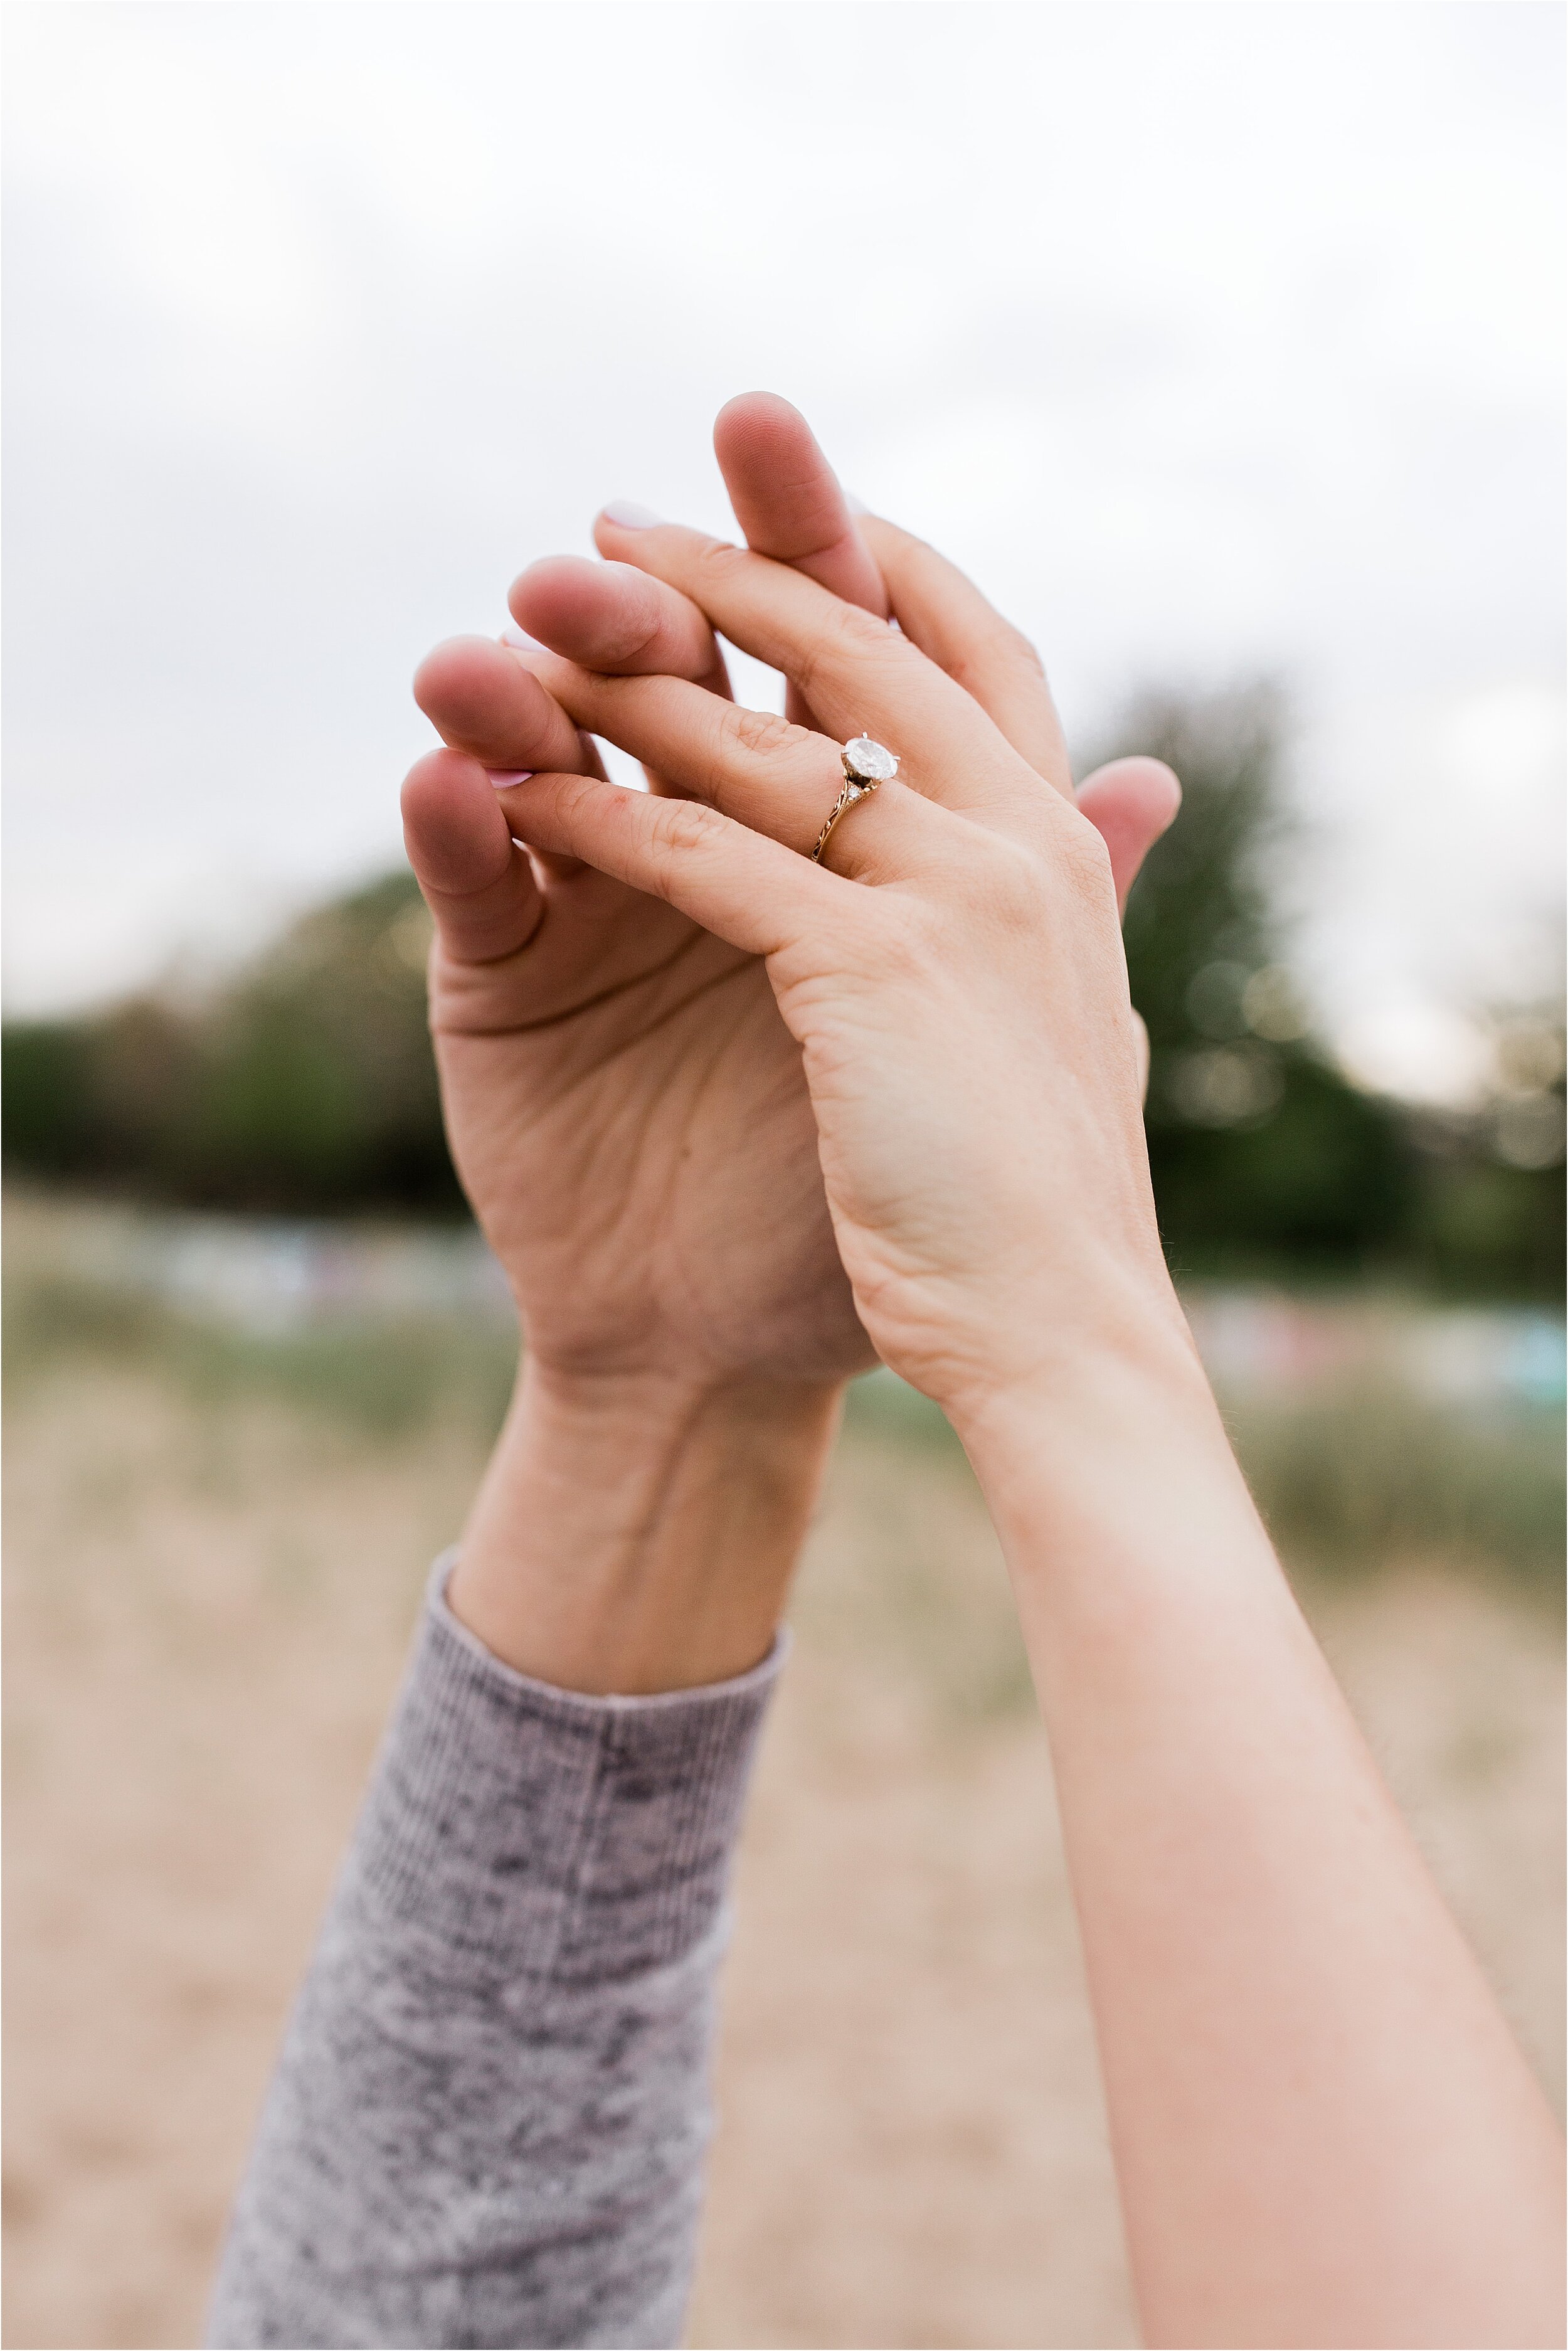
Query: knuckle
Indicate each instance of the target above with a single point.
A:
(851, 634)
(1016, 881)
(862, 629)
(631, 630)
(914, 949)
(1005, 880)
(682, 829)
(978, 666)
(716, 559)
(761, 733)
(1082, 859)
(1021, 649)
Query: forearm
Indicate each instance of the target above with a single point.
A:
(489, 2119)
(1323, 2131)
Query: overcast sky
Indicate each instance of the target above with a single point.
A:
(1211, 339)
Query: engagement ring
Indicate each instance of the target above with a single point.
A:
(866, 765)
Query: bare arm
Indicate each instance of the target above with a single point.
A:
(1323, 2131)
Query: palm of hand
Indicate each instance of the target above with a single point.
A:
(629, 1118)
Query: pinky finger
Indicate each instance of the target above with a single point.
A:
(745, 889)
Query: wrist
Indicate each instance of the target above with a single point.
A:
(1068, 1355)
(638, 1532)
(1109, 1457)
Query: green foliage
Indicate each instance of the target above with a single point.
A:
(1264, 1157)
(1491, 1207)
(1319, 1178)
(1262, 1152)
(54, 1125)
(1484, 1227)
(1203, 900)
(306, 1085)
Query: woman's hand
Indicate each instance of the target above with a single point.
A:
(953, 973)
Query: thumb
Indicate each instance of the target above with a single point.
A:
(1130, 803)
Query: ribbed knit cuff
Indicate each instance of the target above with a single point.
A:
(551, 1832)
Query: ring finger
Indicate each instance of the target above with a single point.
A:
(766, 773)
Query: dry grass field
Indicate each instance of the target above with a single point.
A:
(211, 1576)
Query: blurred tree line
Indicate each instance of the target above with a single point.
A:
(1264, 1155)
(305, 1085)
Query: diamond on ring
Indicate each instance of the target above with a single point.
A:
(868, 762)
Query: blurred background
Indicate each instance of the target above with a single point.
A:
(1224, 346)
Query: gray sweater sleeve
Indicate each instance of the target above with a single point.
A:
(489, 2114)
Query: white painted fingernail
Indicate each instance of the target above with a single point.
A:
(856, 505)
(512, 635)
(627, 515)
(503, 777)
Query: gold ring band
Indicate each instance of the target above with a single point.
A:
(866, 764)
(847, 798)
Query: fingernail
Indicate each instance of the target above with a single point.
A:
(502, 777)
(512, 635)
(856, 505)
(627, 515)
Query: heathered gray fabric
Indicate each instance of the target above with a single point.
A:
(490, 2115)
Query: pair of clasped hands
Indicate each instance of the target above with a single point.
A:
(737, 1124)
